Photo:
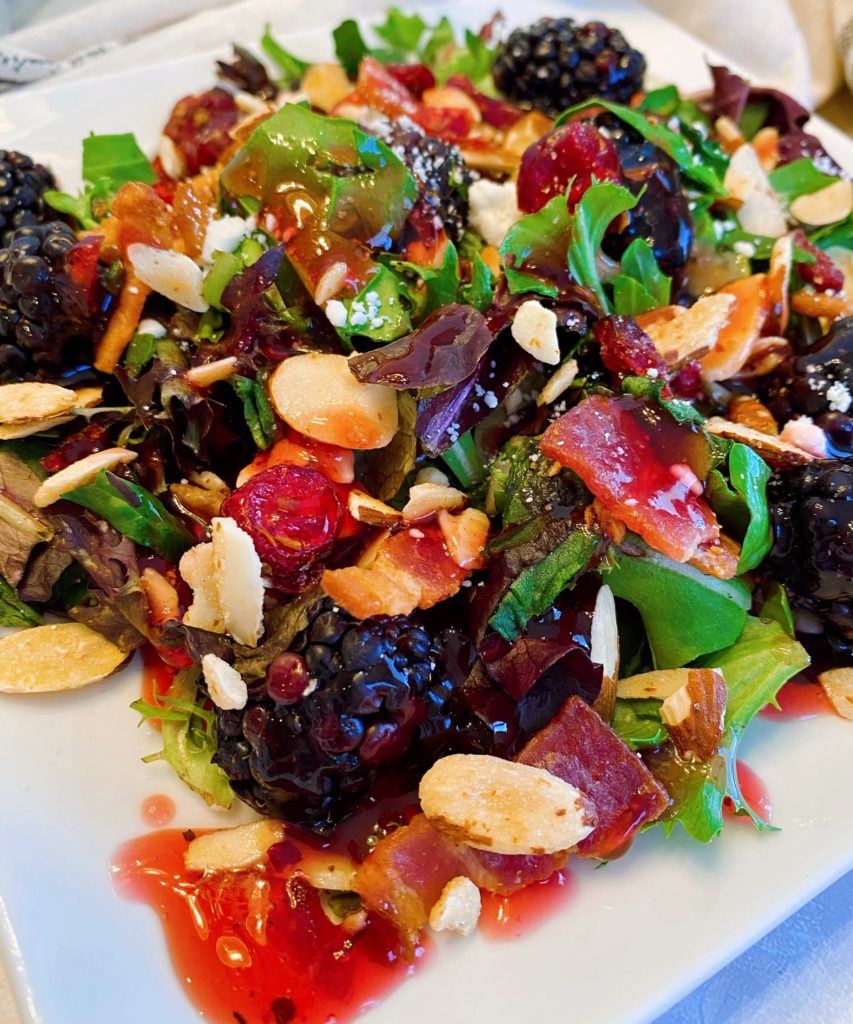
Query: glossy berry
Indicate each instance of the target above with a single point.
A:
(440, 173)
(200, 126)
(819, 383)
(626, 349)
(22, 187)
(574, 153)
(555, 63)
(45, 313)
(371, 687)
(293, 515)
(812, 509)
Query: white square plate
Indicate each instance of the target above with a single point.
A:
(635, 937)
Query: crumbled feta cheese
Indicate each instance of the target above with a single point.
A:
(492, 209)
(535, 330)
(224, 235)
(839, 397)
(457, 910)
(336, 313)
(743, 248)
(805, 434)
(152, 327)
(226, 686)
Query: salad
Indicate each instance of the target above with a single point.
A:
(462, 433)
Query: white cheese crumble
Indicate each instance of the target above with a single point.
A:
(226, 686)
(492, 209)
(535, 330)
(336, 313)
(152, 327)
(839, 397)
(224, 235)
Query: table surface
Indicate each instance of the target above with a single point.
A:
(803, 969)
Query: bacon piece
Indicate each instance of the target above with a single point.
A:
(407, 871)
(580, 748)
(644, 467)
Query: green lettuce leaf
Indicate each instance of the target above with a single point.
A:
(533, 254)
(686, 613)
(117, 158)
(537, 587)
(599, 206)
(742, 503)
(13, 611)
(350, 46)
(134, 512)
(257, 411)
(292, 68)
(480, 290)
(464, 460)
(642, 285)
(189, 738)
(402, 32)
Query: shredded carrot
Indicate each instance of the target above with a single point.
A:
(122, 323)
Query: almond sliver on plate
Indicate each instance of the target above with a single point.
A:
(58, 656)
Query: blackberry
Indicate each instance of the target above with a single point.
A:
(440, 171)
(347, 701)
(819, 383)
(556, 63)
(22, 188)
(44, 318)
(812, 509)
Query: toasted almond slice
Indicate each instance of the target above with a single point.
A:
(226, 686)
(13, 431)
(777, 452)
(197, 569)
(325, 870)
(198, 500)
(317, 395)
(692, 332)
(450, 98)
(558, 382)
(457, 909)
(330, 282)
(729, 133)
(660, 684)
(233, 849)
(432, 475)
(209, 373)
(694, 714)
(465, 536)
(778, 284)
(239, 581)
(428, 499)
(88, 397)
(60, 656)
(838, 684)
(20, 520)
(81, 472)
(748, 411)
(766, 145)
(371, 511)
(23, 403)
(604, 634)
(826, 206)
(169, 273)
(503, 806)
(760, 212)
(161, 595)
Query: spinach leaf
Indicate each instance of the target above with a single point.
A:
(685, 612)
(464, 461)
(134, 512)
(642, 285)
(117, 158)
(599, 206)
(379, 311)
(260, 419)
(189, 738)
(798, 178)
(533, 254)
(480, 290)
(13, 611)
(292, 68)
(537, 587)
(350, 46)
(437, 287)
(743, 506)
(401, 31)
(139, 353)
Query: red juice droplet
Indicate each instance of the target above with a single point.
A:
(511, 917)
(157, 810)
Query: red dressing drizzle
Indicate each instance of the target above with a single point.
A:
(798, 700)
(754, 792)
(511, 917)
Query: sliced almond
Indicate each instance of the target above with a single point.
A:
(210, 373)
(22, 522)
(371, 511)
(169, 273)
(233, 849)
(838, 685)
(692, 332)
(330, 282)
(325, 870)
(79, 473)
(760, 212)
(427, 499)
(774, 450)
(161, 595)
(86, 398)
(239, 581)
(465, 536)
(729, 133)
(432, 475)
(225, 685)
(503, 806)
(22, 403)
(695, 713)
(604, 634)
(457, 909)
(748, 411)
(826, 206)
(325, 85)
(60, 656)
(778, 284)
(317, 395)
(660, 684)
(171, 158)
(197, 570)
(559, 381)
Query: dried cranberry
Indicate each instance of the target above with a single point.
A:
(574, 153)
(626, 349)
(417, 78)
(200, 125)
(293, 515)
(823, 273)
